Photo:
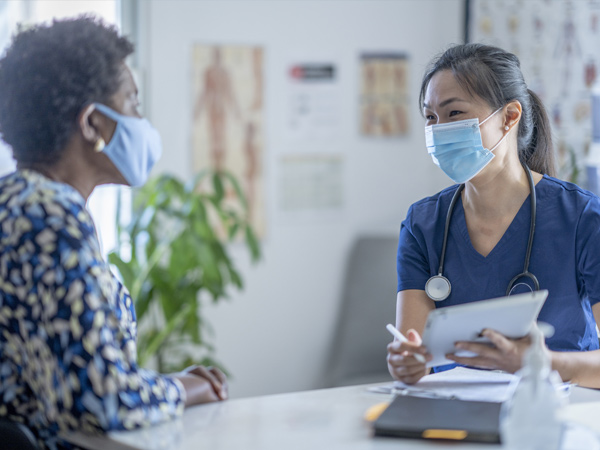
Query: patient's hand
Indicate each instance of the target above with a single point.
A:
(505, 354)
(402, 364)
(203, 384)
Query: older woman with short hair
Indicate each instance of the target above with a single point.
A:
(67, 325)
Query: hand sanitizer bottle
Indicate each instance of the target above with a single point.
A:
(529, 418)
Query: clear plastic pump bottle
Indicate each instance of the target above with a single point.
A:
(529, 418)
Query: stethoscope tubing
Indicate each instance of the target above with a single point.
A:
(455, 198)
(524, 274)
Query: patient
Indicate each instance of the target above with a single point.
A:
(67, 325)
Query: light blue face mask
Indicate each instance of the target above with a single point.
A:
(457, 149)
(134, 147)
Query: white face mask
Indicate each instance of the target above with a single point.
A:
(457, 149)
(134, 147)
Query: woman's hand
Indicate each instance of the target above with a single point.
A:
(203, 384)
(505, 354)
(402, 363)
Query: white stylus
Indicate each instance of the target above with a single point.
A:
(392, 329)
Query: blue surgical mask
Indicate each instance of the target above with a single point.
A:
(457, 149)
(134, 147)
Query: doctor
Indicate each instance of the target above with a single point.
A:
(507, 226)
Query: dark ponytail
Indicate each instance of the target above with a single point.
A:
(539, 154)
(495, 76)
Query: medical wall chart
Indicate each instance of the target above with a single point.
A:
(313, 108)
(384, 100)
(311, 185)
(227, 119)
(557, 42)
(310, 168)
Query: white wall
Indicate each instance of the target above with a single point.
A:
(274, 336)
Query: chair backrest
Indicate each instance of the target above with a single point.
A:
(358, 353)
(15, 435)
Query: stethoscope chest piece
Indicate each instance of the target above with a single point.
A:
(438, 288)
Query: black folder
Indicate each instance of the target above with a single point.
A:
(433, 418)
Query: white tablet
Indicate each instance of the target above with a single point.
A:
(512, 316)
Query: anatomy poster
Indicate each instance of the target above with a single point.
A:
(384, 94)
(557, 42)
(227, 118)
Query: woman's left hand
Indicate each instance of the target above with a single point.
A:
(505, 354)
(214, 376)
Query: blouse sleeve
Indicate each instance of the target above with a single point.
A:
(89, 378)
(412, 265)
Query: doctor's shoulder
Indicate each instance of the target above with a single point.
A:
(570, 195)
(427, 208)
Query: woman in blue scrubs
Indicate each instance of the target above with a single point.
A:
(489, 133)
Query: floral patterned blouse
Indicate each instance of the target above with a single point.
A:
(67, 325)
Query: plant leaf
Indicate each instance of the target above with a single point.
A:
(127, 270)
(218, 186)
(252, 244)
(177, 238)
(238, 190)
(159, 338)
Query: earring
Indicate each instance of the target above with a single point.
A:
(99, 146)
(506, 127)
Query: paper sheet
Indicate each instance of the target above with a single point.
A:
(583, 414)
(459, 383)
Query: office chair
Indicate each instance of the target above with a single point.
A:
(15, 435)
(358, 352)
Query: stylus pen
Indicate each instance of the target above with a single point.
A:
(392, 329)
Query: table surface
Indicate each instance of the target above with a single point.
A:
(329, 419)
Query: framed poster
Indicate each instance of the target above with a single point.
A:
(384, 94)
(227, 118)
(557, 44)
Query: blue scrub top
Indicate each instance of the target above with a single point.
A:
(565, 257)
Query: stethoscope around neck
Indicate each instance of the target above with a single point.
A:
(438, 287)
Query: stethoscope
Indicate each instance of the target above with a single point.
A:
(438, 286)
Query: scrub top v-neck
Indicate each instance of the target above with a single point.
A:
(565, 256)
(521, 222)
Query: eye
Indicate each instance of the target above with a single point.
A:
(429, 117)
(454, 113)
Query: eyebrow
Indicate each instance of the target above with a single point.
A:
(446, 102)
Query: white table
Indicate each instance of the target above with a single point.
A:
(328, 419)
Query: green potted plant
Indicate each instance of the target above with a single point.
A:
(173, 254)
